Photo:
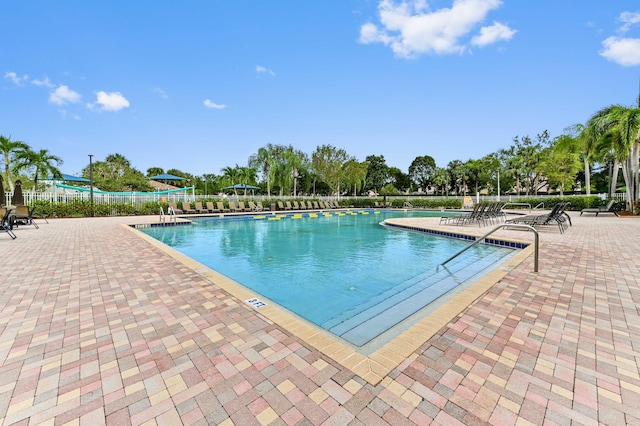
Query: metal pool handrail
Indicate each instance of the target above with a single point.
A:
(505, 225)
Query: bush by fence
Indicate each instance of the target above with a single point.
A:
(82, 207)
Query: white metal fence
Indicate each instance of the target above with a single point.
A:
(137, 200)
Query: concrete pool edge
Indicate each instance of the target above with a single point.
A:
(375, 367)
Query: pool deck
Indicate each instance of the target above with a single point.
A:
(98, 326)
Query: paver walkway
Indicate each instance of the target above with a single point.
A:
(97, 326)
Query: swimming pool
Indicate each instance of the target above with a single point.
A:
(341, 271)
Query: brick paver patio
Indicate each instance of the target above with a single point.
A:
(100, 327)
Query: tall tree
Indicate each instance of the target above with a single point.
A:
(421, 171)
(355, 175)
(115, 174)
(41, 163)
(377, 172)
(327, 162)
(9, 149)
(619, 127)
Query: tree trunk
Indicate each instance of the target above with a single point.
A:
(587, 175)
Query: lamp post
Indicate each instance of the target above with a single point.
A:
(91, 181)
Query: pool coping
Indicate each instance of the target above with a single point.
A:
(373, 367)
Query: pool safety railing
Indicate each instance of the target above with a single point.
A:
(170, 212)
(505, 225)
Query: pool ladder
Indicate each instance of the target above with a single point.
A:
(170, 212)
(505, 225)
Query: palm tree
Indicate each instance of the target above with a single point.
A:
(618, 128)
(9, 149)
(40, 162)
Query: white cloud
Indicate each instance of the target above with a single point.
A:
(411, 29)
(15, 78)
(158, 91)
(494, 33)
(63, 95)
(211, 105)
(42, 83)
(628, 19)
(623, 51)
(113, 101)
(263, 70)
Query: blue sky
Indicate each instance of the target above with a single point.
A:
(200, 85)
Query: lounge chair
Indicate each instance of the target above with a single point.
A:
(303, 205)
(288, 206)
(186, 207)
(316, 206)
(6, 221)
(602, 209)
(174, 207)
(259, 206)
(23, 215)
(199, 208)
(557, 215)
(296, 206)
(221, 207)
(211, 208)
(242, 207)
(232, 206)
(280, 205)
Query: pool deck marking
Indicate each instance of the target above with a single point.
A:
(376, 366)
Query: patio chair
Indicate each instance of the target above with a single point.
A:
(211, 208)
(242, 207)
(259, 206)
(232, 206)
(174, 207)
(288, 206)
(199, 208)
(296, 206)
(602, 209)
(186, 207)
(557, 215)
(6, 221)
(280, 205)
(254, 207)
(23, 215)
(221, 207)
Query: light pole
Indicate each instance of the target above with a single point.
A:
(91, 181)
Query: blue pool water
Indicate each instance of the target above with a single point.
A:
(332, 270)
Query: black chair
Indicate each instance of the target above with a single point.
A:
(6, 221)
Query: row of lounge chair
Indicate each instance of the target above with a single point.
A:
(483, 213)
(240, 207)
(557, 215)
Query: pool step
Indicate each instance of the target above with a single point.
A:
(365, 322)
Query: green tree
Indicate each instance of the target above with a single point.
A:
(9, 150)
(421, 171)
(617, 128)
(401, 181)
(328, 163)
(441, 180)
(154, 171)
(355, 175)
(41, 163)
(264, 162)
(377, 172)
(115, 174)
(560, 163)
